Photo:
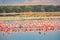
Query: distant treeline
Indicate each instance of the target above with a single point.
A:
(32, 8)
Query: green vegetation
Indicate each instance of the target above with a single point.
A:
(32, 8)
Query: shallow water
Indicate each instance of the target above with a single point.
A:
(49, 35)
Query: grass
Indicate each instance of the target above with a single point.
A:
(30, 15)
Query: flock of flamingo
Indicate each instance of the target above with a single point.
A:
(30, 25)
